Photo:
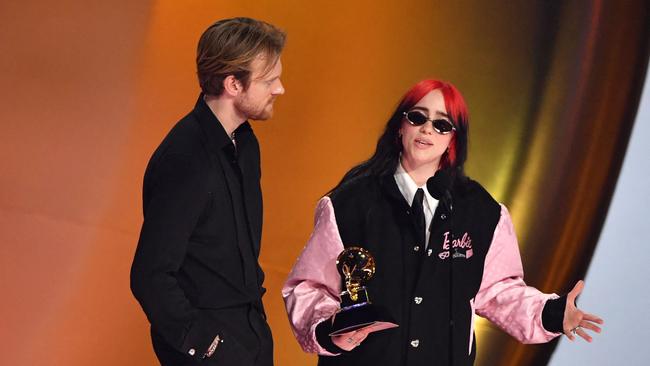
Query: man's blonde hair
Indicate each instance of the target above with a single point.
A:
(229, 46)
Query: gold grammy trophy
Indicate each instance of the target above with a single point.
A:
(357, 266)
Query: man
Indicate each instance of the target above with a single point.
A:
(196, 272)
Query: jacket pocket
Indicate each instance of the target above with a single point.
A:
(230, 352)
(239, 346)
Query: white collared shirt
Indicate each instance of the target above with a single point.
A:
(408, 188)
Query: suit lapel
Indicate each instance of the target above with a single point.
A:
(248, 159)
(220, 146)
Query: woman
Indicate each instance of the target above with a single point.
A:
(431, 281)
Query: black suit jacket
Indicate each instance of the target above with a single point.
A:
(196, 259)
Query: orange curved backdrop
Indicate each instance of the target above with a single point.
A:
(88, 90)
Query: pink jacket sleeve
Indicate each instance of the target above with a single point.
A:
(311, 293)
(504, 297)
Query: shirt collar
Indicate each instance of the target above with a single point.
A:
(407, 186)
(219, 139)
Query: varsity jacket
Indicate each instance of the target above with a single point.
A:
(472, 250)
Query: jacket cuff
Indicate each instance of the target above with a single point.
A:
(323, 329)
(553, 314)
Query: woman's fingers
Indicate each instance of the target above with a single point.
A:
(582, 333)
(577, 289)
(589, 325)
(569, 334)
(592, 318)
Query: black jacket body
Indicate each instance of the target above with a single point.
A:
(195, 271)
(372, 213)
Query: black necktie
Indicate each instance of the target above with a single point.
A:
(418, 215)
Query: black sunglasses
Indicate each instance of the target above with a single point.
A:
(417, 118)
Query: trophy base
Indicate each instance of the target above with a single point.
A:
(361, 315)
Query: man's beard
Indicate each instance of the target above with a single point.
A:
(258, 112)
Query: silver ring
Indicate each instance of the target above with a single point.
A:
(575, 330)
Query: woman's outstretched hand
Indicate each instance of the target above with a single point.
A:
(576, 321)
